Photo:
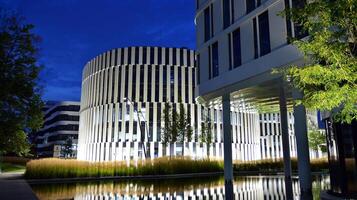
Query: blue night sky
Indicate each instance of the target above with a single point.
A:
(74, 31)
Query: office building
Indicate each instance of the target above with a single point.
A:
(61, 120)
(239, 43)
(124, 91)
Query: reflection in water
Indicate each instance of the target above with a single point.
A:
(247, 188)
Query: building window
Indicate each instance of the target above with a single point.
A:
(181, 57)
(250, 5)
(235, 49)
(214, 59)
(129, 55)
(134, 84)
(159, 54)
(208, 17)
(264, 37)
(198, 69)
(116, 57)
(122, 56)
(152, 55)
(255, 38)
(174, 56)
(149, 84)
(209, 63)
(299, 32)
(126, 82)
(141, 84)
(164, 83)
(228, 12)
(136, 49)
(157, 78)
(167, 55)
(144, 55)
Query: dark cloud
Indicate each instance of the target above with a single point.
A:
(74, 31)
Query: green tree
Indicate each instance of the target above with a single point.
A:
(328, 80)
(174, 129)
(206, 133)
(166, 130)
(68, 147)
(184, 127)
(20, 102)
(170, 131)
(188, 130)
(181, 125)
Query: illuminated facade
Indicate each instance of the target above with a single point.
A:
(123, 96)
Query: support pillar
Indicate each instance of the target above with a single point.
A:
(227, 131)
(286, 144)
(302, 144)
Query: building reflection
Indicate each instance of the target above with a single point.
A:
(246, 188)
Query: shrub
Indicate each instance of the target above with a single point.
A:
(15, 160)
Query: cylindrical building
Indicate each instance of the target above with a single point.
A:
(123, 96)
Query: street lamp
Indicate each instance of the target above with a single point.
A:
(138, 113)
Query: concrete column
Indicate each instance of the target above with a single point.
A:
(286, 143)
(302, 147)
(227, 131)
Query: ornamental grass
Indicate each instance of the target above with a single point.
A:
(273, 165)
(66, 168)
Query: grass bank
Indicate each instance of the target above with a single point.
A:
(60, 168)
(9, 167)
(13, 164)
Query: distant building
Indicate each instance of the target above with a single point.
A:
(61, 121)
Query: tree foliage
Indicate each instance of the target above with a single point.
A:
(328, 80)
(20, 102)
(317, 140)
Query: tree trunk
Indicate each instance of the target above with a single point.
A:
(208, 150)
(183, 149)
(171, 149)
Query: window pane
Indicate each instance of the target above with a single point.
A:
(264, 38)
(215, 59)
(207, 24)
(236, 48)
(250, 5)
(198, 69)
(226, 13)
(255, 38)
(298, 29)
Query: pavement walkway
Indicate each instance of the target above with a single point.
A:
(14, 187)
